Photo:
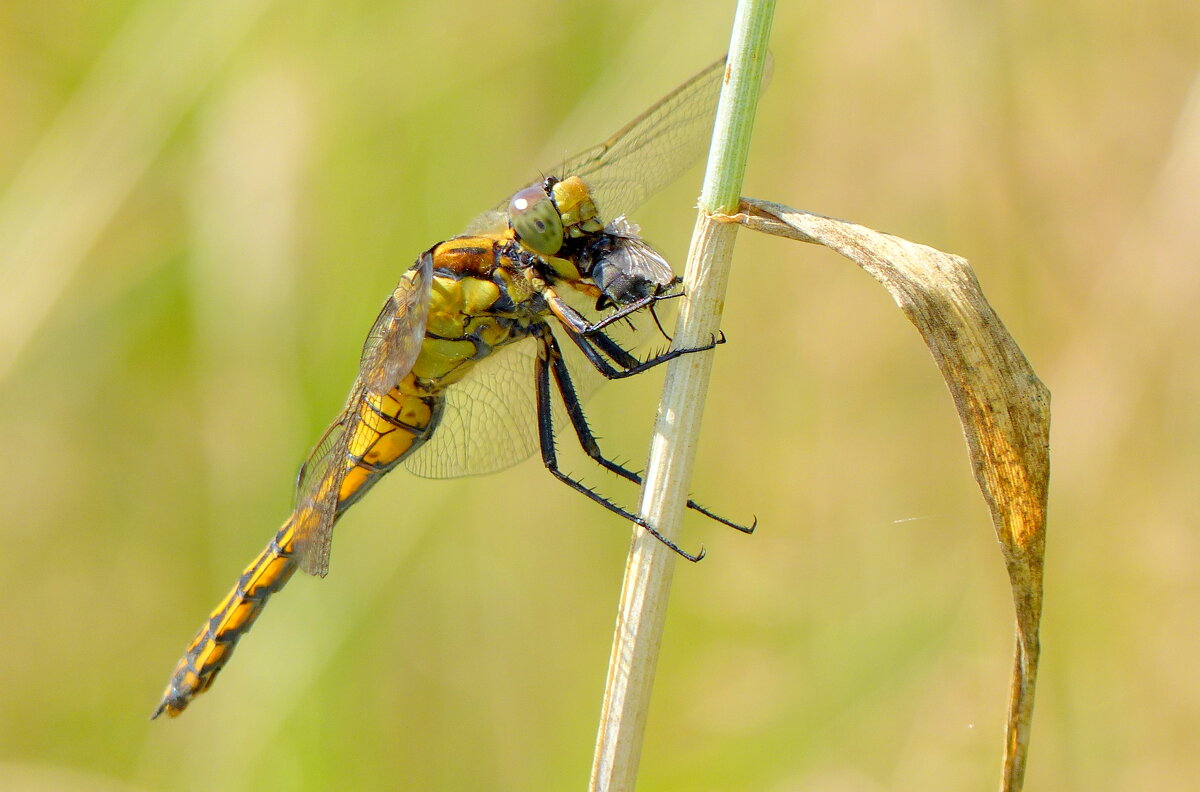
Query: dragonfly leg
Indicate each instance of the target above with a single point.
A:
(601, 341)
(587, 440)
(591, 339)
(650, 300)
(550, 454)
(593, 345)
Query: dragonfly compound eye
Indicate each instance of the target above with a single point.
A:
(536, 221)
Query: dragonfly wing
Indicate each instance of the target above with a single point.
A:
(394, 342)
(646, 155)
(388, 355)
(652, 150)
(317, 488)
(489, 421)
(489, 222)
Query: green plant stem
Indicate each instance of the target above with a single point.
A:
(648, 571)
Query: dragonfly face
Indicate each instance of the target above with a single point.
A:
(558, 221)
(457, 374)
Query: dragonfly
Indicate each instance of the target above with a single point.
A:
(475, 321)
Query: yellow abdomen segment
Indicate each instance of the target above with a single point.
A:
(388, 428)
(213, 645)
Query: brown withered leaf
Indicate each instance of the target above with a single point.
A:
(1004, 409)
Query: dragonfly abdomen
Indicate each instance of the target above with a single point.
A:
(214, 643)
(387, 429)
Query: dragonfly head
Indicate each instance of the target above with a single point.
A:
(555, 214)
(546, 214)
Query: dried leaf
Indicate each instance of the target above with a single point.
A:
(1004, 409)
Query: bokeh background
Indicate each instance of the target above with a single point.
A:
(203, 204)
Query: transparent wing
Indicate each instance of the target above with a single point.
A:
(394, 342)
(652, 150)
(634, 257)
(317, 488)
(388, 355)
(491, 221)
(489, 422)
(649, 153)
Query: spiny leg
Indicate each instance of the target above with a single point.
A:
(588, 345)
(650, 300)
(550, 455)
(587, 440)
(591, 339)
(617, 353)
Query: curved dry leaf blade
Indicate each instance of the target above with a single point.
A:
(1004, 409)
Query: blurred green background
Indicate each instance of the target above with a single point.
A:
(203, 204)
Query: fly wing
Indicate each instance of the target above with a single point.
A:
(317, 487)
(634, 257)
(394, 342)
